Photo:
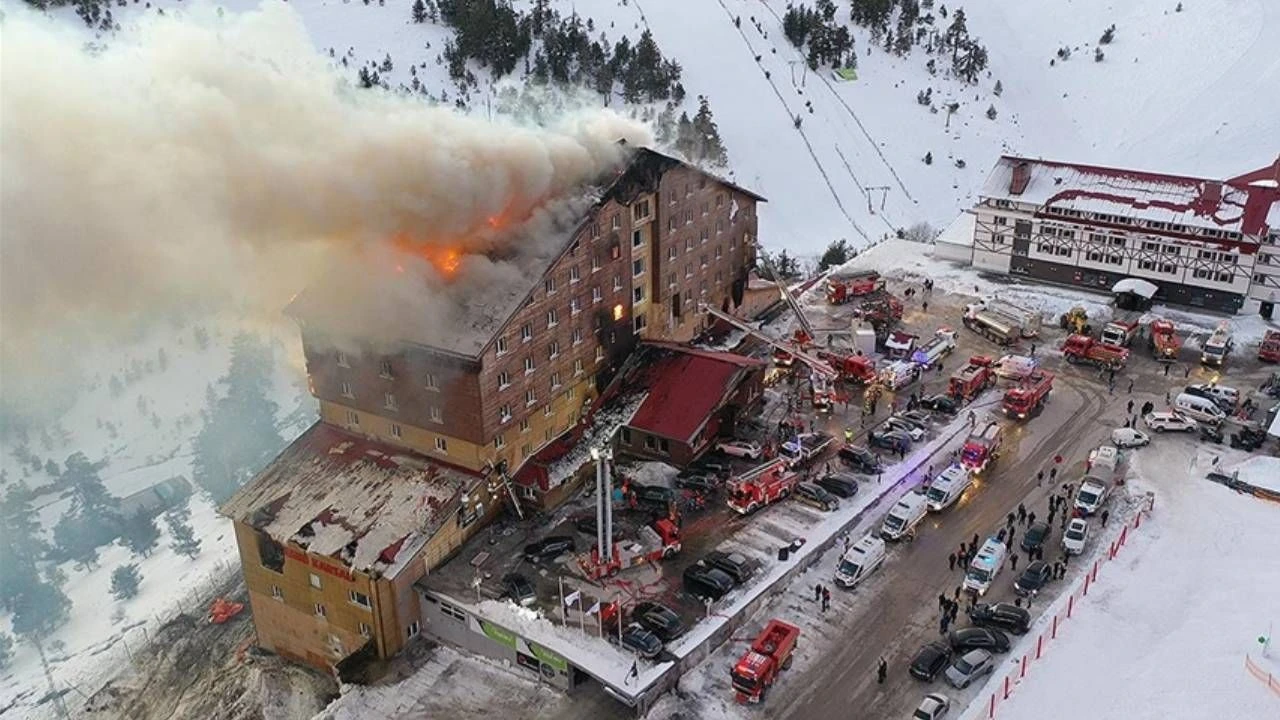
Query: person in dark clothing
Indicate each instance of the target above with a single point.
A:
(1186, 373)
(817, 592)
(1033, 349)
(1053, 474)
(1128, 408)
(1105, 515)
(962, 551)
(955, 610)
(1013, 561)
(956, 596)
(1022, 513)
(1147, 407)
(1031, 518)
(951, 561)
(1012, 533)
(942, 602)
(925, 306)
(1166, 369)
(882, 671)
(826, 599)
(1000, 535)
(973, 545)
(943, 623)
(902, 452)
(1130, 388)
(1009, 519)
(1053, 510)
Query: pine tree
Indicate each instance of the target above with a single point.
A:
(928, 158)
(93, 518)
(140, 533)
(998, 89)
(837, 253)
(40, 608)
(184, 537)
(22, 544)
(991, 112)
(124, 581)
(1108, 35)
(957, 33)
(710, 148)
(419, 12)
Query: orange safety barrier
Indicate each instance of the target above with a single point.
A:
(1271, 681)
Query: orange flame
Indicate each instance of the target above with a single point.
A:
(445, 259)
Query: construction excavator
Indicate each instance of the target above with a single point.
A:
(1076, 321)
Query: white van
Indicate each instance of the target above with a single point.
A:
(1104, 461)
(1215, 350)
(859, 561)
(1227, 398)
(1198, 408)
(902, 519)
(985, 567)
(1091, 495)
(948, 487)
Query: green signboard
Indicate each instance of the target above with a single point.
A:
(497, 634)
(548, 657)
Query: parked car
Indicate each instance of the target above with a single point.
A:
(860, 459)
(1170, 421)
(549, 548)
(840, 484)
(889, 439)
(1125, 438)
(586, 524)
(978, 638)
(913, 431)
(944, 404)
(741, 448)
(734, 564)
(929, 661)
(654, 495)
(1035, 536)
(659, 620)
(707, 583)
(969, 667)
(638, 640)
(700, 482)
(1075, 536)
(1035, 576)
(811, 494)
(1212, 433)
(708, 467)
(1248, 438)
(518, 589)
(934, 706)
(919, 417)
(1001, 616)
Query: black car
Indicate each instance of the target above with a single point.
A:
(638, 640)
(654, 495)
(735, 565)
(549, 548)
(1211, 433)
(659, 620)
(1036, 576)
(586, 524)
(1002, 616)
(919, 418)
(941, 403)
(1035, 536)
(1248, 439)
(841, 484)
(706, 583)
(518, 589)
(929, 661)
(701, 482)
(811, 494)
(708, 467)
(978, 638)
(894, 440)
(860, 459)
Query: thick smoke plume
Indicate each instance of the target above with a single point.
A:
(222, 159)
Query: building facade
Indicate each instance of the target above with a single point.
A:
(1204, 243)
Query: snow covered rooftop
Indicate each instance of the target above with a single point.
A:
(366, 504)
(960, 231)
(1246, 204)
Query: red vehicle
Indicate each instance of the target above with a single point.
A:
(1120, 333)
(972, 379)
(851, 368)
(843, 289)
(886, 309)
(1165, 343)
(1084, 349)
(1269, 350)
(770, 654)
(982, 447)
(762, 486)
(659, 542)
(1029, 396)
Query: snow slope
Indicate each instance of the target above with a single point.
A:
(1165, 635)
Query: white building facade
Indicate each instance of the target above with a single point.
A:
(1204, 243)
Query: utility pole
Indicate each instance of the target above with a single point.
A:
(804, 73)
(884, 192)
(58, 703)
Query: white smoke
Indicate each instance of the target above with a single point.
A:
(200, 158)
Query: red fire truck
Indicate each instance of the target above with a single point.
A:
(1084, 349)
(972, 379)
(1165, 343)
(851, 368)
(841, 290)
(770, 654)
(659, 542)
(1269, 350)
(1028, 396)
(761, 486)
(982, 447)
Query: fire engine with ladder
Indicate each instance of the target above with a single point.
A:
(658, 542)
(976, 375)
(762, 486)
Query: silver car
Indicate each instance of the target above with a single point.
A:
(971, 666)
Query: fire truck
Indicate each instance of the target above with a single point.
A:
(1165, 343)
(821, 375)
(943, 342)
(841, 290)
(982, 447)
(764, 485)
(660, 541)
(1084, 349)
(1029, 396)
(994, 326)
(1028, 320)
(770, 654)
(1269, 350)
(1120, 333)
(852, 368)
(972, 379)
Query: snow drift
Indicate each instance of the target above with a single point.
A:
(202, 158)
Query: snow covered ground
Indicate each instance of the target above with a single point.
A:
(1165, 631)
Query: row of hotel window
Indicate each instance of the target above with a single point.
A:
(411, 630)
(1156, 225)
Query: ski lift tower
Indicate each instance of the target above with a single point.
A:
(604, 502)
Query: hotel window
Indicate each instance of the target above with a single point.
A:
(277, 593)
(671, 280)
(432, 383)
(320, 611)
(671, 252)
(640, 210)
(615, 222)
(346, 390)
(553, 349)
(575, 306)
(573, 393)
(504, 380)
(353, 418)
(637, 238)
(358, 598)
(524, 425)
(637, 294)
(547, 434)
(1002, 220)
(595, 230)
(435, 414)
(617, 282)
(499, 441)
(442, 445)
(688, 269)
(342, 360)
(688, 217)
(384, 369)
(389, 401)
(640, 322)
(526, 332)
(574, 274)
(719, 226)
(525, 450)
(365, 630)
(671, 224)
(706, 208)
(599, 353)
(702, 236)
(637, 267)
(595, 262)
(719, 199)
(412, 630)
(504, 414)
(719, 251)
(315, 581)
(553, 318)
(577, 335)
(596, 295)
(577, 366)
(703, 260)
(528, 365)
(555, 380)
(530, 397)
(550, 286)
(502, 346)
(396, 431)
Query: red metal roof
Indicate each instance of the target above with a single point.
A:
(685, 385)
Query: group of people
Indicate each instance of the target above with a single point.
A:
(950, 608)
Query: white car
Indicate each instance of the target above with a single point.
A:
(933, 707)
(1162, 421)
(1073, 539)
(1125, 438)
(741, 448)
(915, 432)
